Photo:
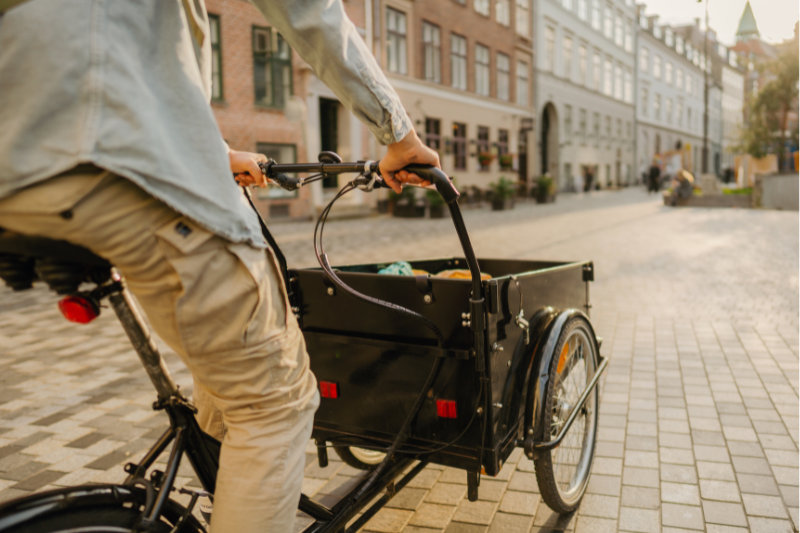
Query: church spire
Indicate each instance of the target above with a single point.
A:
(747, 25)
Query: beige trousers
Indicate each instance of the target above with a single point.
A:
(223, 308)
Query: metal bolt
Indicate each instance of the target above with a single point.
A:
(295, 309)
(480, 410)
(530, 431)
(466, 323)
(530, 455)
(427, 298)
(497, 348)
(465, 316)
(509, 364)
(498, 405)
(330, 291)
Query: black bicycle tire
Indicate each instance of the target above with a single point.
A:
(116, 518)
(542, 459)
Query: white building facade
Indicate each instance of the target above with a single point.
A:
(669, 105)
(584, 91)
(732, 108)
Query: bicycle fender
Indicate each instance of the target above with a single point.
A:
(17, 512)
(536, 398)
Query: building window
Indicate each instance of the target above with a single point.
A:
(657, 67)
(568, 124)
(668, 73)
(481, 70)
(619, 129)
(482, 7)
(628, 35)
(689, 84)
(459, 146)
(608, 80)
(596, 72)
(679, 113)
(679, 78)
(502, 13)
(657, 107)
(608, 131)
(608, 28)
(216, 57)
(567, 54)
(503, 76)
(582, 53)
(619, 37)
(582, 11)
(432, 52)
(458, 61)
(568, 172)
(644, 60)
(433, 133)
(618, 88)
(668, 110)
(582, 125)
(628, 130)
(550, 49)
(668, 37)
(483, 145)
(596, 22)
(396, 41)
(567, 4)
(502, 142)
(679, 45)
(522, 83)
(272, 68)
(628, 86)
(689, 118)
(285, 154)
(645, 103)
(522, 15)
(596, 129)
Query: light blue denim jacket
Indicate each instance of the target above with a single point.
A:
(123, 85)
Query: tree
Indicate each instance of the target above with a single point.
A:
(768, 112)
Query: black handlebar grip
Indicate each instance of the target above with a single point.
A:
(438, 178)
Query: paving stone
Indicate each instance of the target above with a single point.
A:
(750, 465)
(678, 473)
(524, 503)
(790, 495)
(639, 520)
(475, 512)
(548, 520)
(39, 480)
(460, 527)
(409, 498)
(491, 490)
(433, 515)
(388, 521)
(640, 477)
(447, 493)
(606, 485)
(682, 516)
(730, 514)
(717, 471)
(680, 493)
(510, 523)
(590, 524)
(723, 491)
(757, 484)
(524, 482)
(767, 506)
(599, 506)
(746, 449)
(640, 498)
(770, 525)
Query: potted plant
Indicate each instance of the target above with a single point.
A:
(545, 189)
(485, 159)
(503, 194)
(436, 204)
(506, 161)
(405, 204)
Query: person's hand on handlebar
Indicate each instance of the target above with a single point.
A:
(405, 152)
(244, 166)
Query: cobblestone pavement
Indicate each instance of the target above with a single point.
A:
(699, 408)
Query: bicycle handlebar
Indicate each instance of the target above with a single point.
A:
(435, 176)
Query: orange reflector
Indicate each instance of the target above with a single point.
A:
(563, 358)
(446, 409)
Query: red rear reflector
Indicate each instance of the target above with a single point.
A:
(328, 389)
(78, 309)
(446, 409)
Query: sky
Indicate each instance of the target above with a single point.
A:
(775, 18)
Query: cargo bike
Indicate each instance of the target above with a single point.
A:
(412, 370)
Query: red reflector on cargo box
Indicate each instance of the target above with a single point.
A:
(328, 389)
(446, 409)
(78, 309)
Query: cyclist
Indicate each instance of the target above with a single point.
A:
(108, 142)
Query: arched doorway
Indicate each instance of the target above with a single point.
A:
(549, 142)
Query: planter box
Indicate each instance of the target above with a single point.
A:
(716, 200)
(501, 204)
(545, 198)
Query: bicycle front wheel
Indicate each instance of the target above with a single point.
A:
(563, 472)
(101, 519)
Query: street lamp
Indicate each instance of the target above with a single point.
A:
(705, 95)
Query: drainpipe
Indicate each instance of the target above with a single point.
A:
(635, 132)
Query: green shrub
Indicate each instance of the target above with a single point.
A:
(743, 190)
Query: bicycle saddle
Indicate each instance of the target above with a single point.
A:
(25, 259)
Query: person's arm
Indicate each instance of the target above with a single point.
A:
(323, 35)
